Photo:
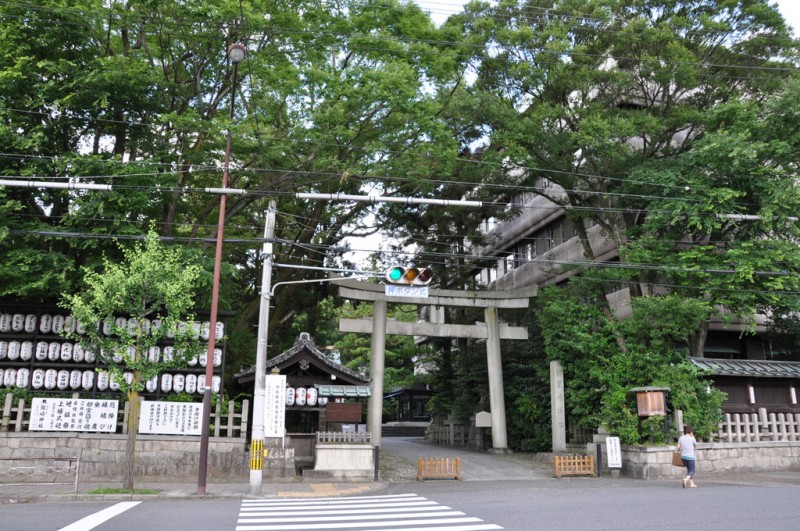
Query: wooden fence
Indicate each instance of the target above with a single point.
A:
(574, 465)
(230, 423)
(438, 468)
(761, 426)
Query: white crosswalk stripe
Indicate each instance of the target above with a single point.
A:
(405, 512)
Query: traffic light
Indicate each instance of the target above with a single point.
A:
(409, 276)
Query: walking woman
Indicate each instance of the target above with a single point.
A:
(687, 445)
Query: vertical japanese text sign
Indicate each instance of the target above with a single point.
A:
(275, 405)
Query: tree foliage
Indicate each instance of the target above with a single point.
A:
(153, 291)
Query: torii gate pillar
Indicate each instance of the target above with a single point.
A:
(497, 400)
(376, 368)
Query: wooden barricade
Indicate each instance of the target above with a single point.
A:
(438, 468)
(574, 465)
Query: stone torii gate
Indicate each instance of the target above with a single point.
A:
(491, 330)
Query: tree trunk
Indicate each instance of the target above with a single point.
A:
(130, 443)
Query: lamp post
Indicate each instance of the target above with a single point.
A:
(236, 54)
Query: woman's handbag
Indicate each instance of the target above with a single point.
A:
(676, 459)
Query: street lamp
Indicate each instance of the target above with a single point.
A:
(236, 54)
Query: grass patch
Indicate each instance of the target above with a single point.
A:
(124, 491)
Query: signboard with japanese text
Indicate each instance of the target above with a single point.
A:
(393, 290)
(614, 452)
(275, 405)
(73, 414)
(170, 418)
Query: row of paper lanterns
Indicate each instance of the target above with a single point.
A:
(55, 351)
(58, 324)
(301, 396)
(75, 379)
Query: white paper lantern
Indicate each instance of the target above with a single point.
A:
(113, 384)
(311, 396)
(54, 351)
(171, 331)
(128, 377)
(89, 356)
(62, 380)
(217, 357)
(220, 333)
(10, 378)
(45, 323)
(216, 384)
(107, 326)
(201, 384)
(203, 359)
(75, 378)
(5, 322)
(13, 350)
(70, 324)
(30, 323)
(300, 396)
(121, 324)
(166, 383)
(41, 351)
(26, 350)
(2, 376)
(81, 327)
(66, 352)
(152, 384)
(191, 383)
(168, 353)
(323, 400)
(3, 350)
(17, 322)
(155, 326)
(102, 381)
(58, 324)
(183, 328)
(133, 327)
(22, 378)
(196, 326)
(117, 357)
(153, 354)
(178, 383)
(37, 380)
(205, 330)
(145, 327)
(290, 394)
(78, 353)
(50, 378)
(87, 380)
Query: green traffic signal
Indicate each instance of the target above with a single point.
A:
(409, 276)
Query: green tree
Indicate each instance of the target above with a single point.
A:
(599, 376)
(153, 288)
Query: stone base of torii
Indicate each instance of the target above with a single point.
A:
(492, 331)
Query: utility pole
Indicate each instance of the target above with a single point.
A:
(257, 437)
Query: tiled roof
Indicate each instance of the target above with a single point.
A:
(750, 368)
(304, 343)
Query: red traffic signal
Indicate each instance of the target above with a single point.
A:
(409, 276)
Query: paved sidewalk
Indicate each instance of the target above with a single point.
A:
(28, 493)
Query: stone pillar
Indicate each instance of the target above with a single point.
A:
(497, 400)
(376, 368)
(558, 417)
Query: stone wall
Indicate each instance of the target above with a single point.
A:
(655, 462)
(157, 456)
